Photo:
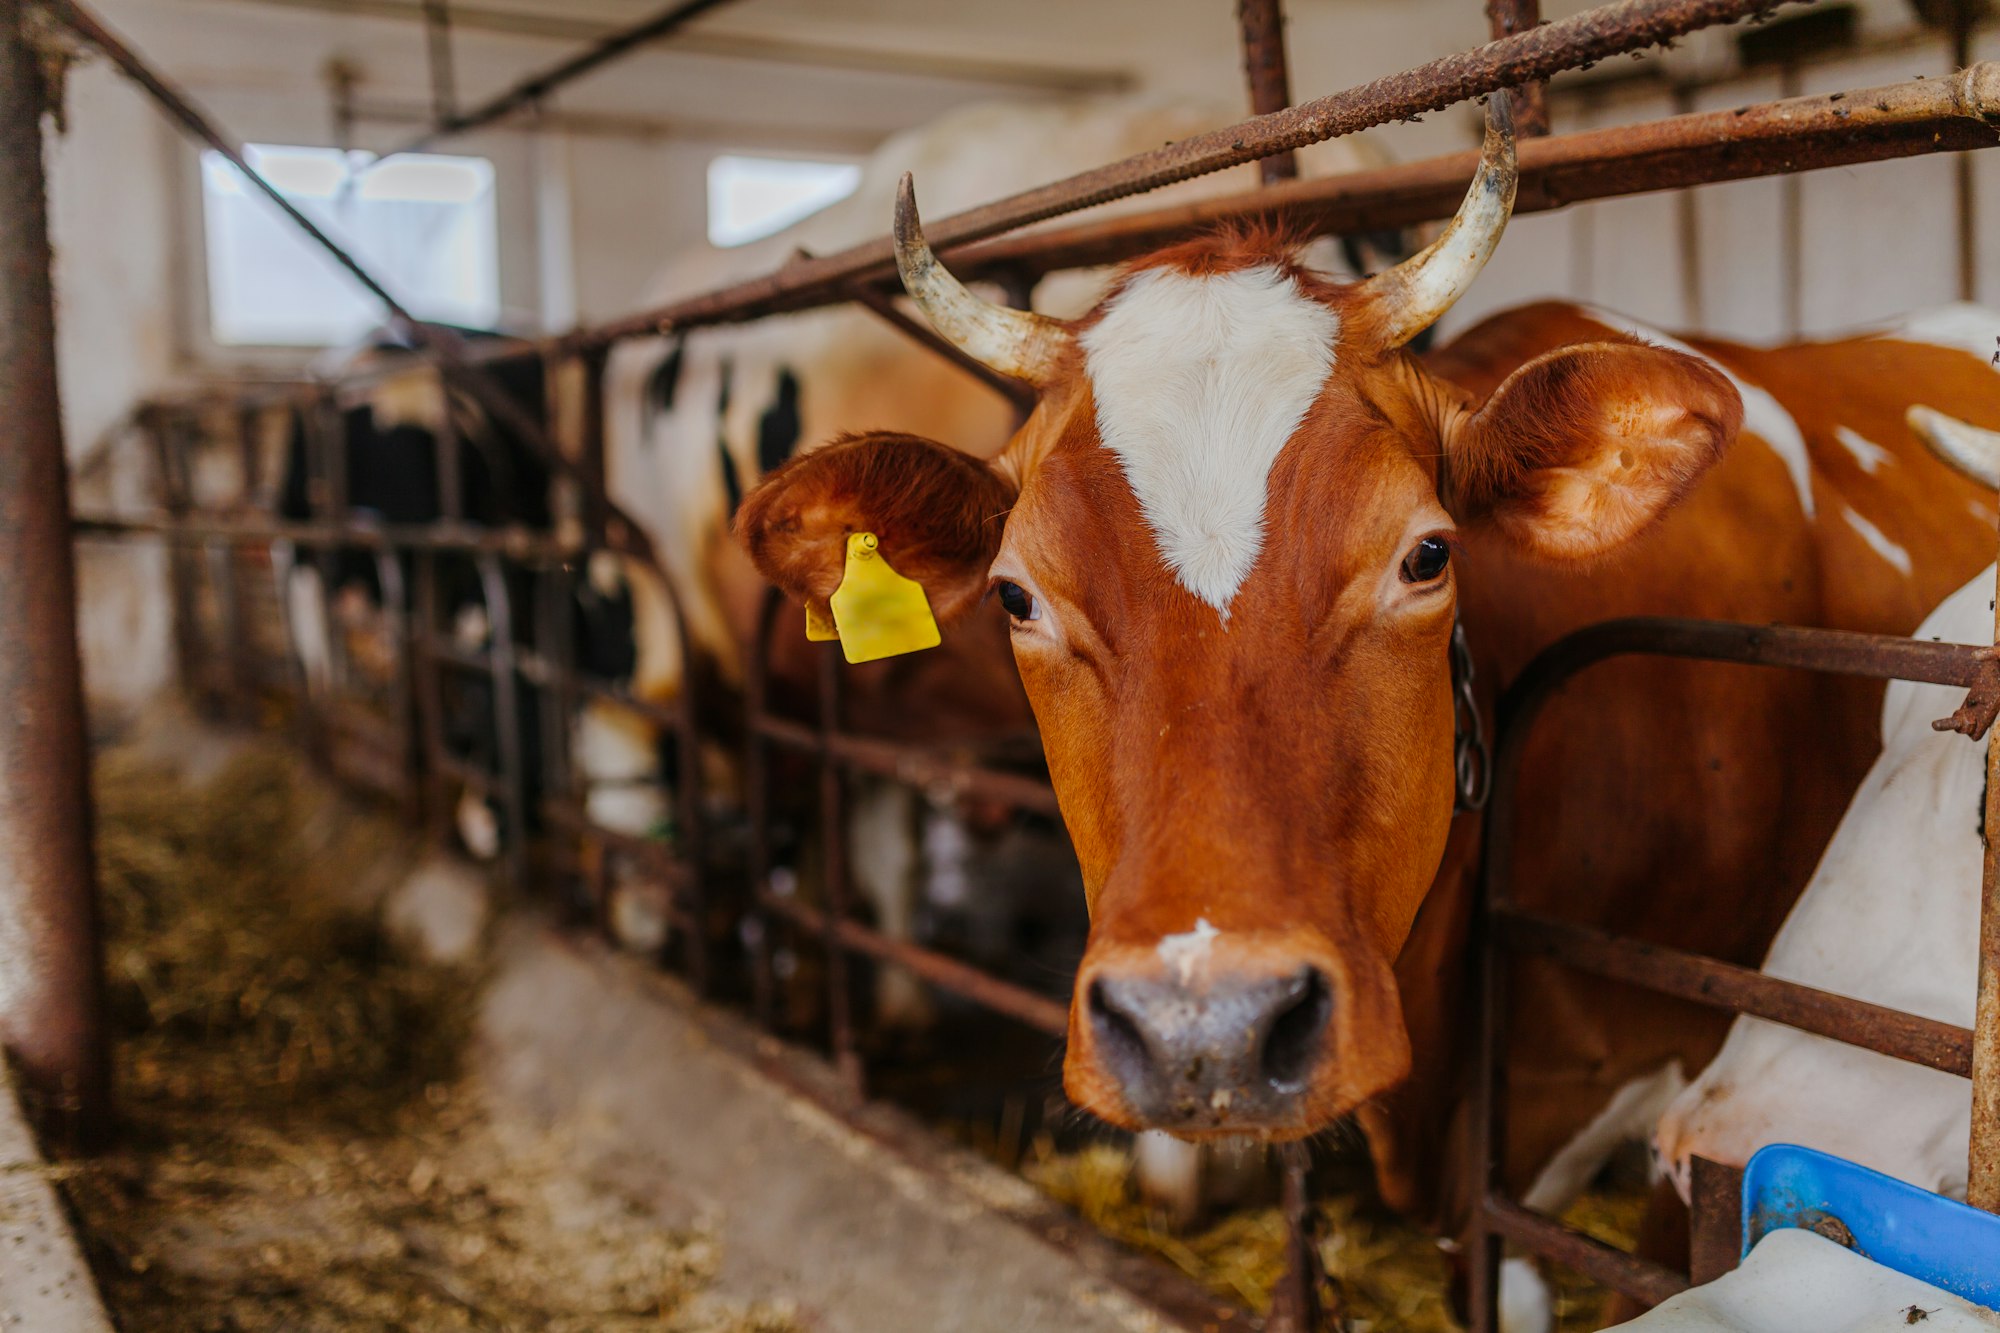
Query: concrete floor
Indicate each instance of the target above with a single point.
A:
(874, 1229)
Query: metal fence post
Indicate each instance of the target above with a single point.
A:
(1264, 65)
(833, 842)
(1531, 100)
(51, 1003)
(1983, 1179)
(506, 680)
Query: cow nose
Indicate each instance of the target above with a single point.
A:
(1236, 1047)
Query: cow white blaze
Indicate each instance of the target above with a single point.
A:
(1199, 382)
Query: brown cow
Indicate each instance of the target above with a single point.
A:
(1233, 541)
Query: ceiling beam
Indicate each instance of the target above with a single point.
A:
(741, 46)
(606, 125)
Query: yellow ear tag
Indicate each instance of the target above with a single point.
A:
(819, 625)
(879, 613)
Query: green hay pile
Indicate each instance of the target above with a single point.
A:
(301, 1151)
(1391, 1274)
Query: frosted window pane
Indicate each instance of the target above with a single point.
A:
(424, 224)
(751, 197)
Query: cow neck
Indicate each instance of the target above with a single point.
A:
(1472, 765)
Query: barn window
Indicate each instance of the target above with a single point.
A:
(751, 197)
(424, 223)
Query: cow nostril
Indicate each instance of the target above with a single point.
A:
(1293, 1043)
(1121, 1046)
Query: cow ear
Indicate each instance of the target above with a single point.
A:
(1582, 448)
(936, 513)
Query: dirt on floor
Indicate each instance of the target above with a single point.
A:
(302, 1146)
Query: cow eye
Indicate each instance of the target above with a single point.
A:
(1426, 560)
(1017, 601)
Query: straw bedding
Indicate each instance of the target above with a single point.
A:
(1392, 1275)
(302, 1149)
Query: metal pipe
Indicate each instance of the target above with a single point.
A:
(1715, 1219)
(919, 766)
(430, 697)
(760, 925)
(1766, 139)
(1002, 997)
(499, 601)
(51, 1004)
(1304, 1300)
(1596, 34)
(519, 545)
(1531, 100)
(1743, 990)
(537, 87)
(1638, 1278)
(1983, 1164)
(1264, 67)
(437, 46)
(833, 848)
(1498, 928)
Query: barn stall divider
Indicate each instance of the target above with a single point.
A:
(1766, 139)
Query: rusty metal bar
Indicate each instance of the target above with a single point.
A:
(1601, 1263)
(1500, 928)
(1675, 152)
(437, 47)
(537, 87)
(519, 545)
(52, 1025)
(1983, 1182)
(1531, 100)
(596, 496)
(1002, 997)
(1264, 68)
(230, 670)
(1304, 1300)
(1924, 1041)
(916, 765)
(169, 458)
(760, 925)
(430, 696)
(1964, 18)
(833, 845)
(396, 616)
(1715, 1220)
(1596, 34)
(499, 600)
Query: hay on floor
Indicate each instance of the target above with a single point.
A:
(301, 1149)
(1392, 1275)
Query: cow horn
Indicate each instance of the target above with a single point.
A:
(1973, 450)
(1415, 294)
(1018, 343)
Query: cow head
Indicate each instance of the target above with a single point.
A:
(1225, 541)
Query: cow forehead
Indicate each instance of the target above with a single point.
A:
(1198, 381)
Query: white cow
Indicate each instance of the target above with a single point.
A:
(1891, 916)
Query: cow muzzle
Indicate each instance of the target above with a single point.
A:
(1206, 1033)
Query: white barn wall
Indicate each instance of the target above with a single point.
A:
(112, 221)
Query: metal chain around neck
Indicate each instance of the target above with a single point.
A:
(1472, 765)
